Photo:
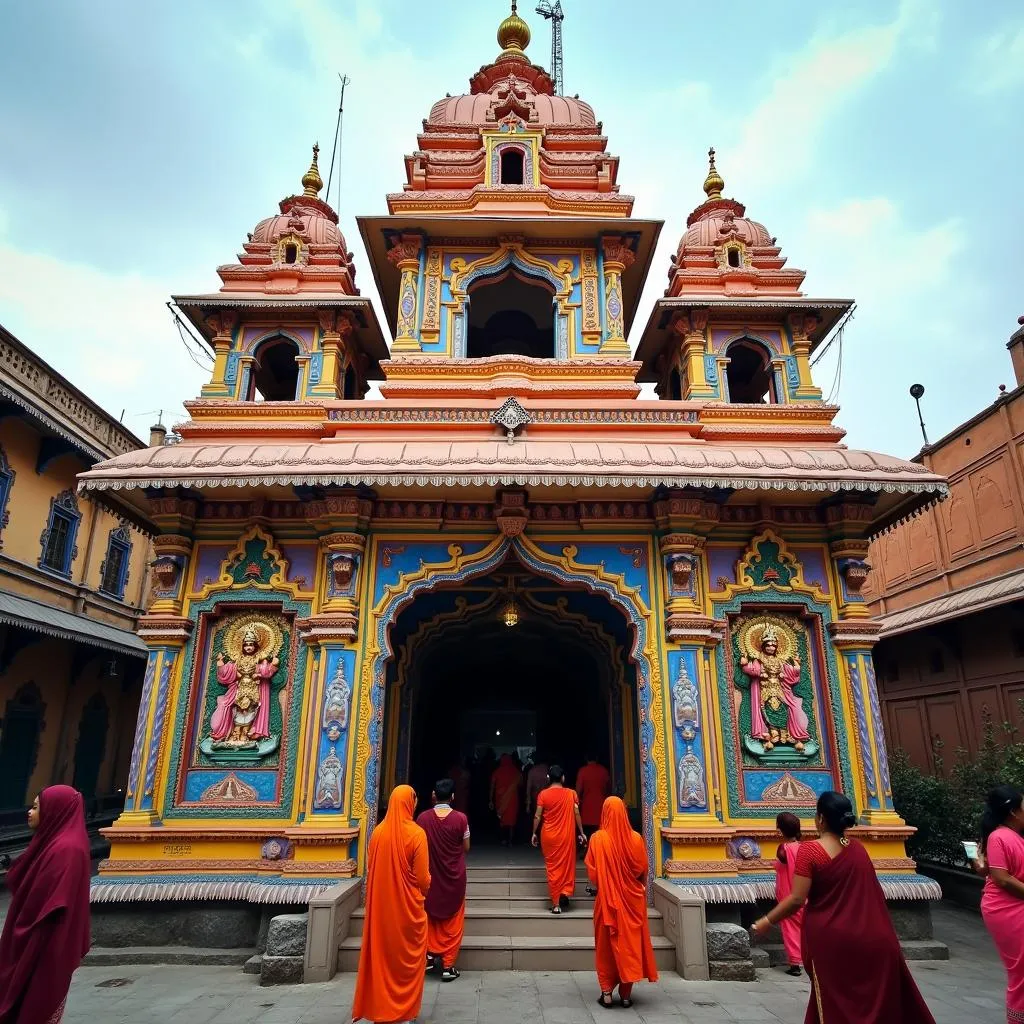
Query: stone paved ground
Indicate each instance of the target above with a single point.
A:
(965, 990)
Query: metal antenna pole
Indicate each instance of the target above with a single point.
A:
(335, 152)
(916, 392)
(553, 12)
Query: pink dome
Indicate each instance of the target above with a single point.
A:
(714, 228)
(309, 222)
(473, 108)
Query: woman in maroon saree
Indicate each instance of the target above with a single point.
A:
(850, 949)
(46, 933)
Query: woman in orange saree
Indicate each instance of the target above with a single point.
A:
(557, 823)
(505, 784)
(389, 986)
(617, 865)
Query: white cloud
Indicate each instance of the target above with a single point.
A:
(779, 135)
(111, 335)
(912, 303)
(999, 61)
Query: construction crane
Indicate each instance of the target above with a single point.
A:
(553, 13)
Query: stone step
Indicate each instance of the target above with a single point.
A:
(524, 953)
(170, 956)
(578, 922)
(491, 872)
(512, 886)
(502, 903)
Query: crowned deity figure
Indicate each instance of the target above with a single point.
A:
(242, 715)
(777, 714)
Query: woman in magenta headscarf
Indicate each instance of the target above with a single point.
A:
(46, 933)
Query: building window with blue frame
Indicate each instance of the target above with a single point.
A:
(58, 539)
(114, 570)
(6, 483)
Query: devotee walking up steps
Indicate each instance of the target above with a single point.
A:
(593, 784)
(1002, 902)
(557, 823)
(850, 949)
(448, 842)
(505, 783)
(389, 986)
(46, 933)
(617, 865)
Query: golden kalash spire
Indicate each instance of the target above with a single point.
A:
(513, 33)
(311, 180)
(713, 183)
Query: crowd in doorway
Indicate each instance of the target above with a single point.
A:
(499, 793)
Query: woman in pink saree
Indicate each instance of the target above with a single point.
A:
(785, 868)
(1002, 902)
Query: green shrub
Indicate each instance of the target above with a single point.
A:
(946, 806)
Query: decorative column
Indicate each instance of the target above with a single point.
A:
(405, 255)
(699, 368)
(618, 256)
(335, 339)
(342, 520)
(166, 632)
(222, 324)
(801, 327)
(854, 636)
(697, 834)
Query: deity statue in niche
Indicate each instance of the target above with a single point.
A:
(770, 671)
(245, 667)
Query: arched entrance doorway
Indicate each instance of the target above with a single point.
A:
(516, 663)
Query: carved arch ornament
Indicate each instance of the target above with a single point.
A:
(366, 753)
(512, 254)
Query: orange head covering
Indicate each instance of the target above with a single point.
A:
(617, 864)
(390, 981)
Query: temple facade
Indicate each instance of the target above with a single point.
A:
(510, 548)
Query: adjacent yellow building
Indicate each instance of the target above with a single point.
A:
(72, 584)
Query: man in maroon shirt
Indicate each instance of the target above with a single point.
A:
(448, 842)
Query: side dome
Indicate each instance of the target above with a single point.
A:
(298, 249)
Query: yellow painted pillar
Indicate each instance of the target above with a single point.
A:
(405, 255)
(223, 325)
(618, 256)
(801, 327)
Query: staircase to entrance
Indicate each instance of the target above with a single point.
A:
(510, 927)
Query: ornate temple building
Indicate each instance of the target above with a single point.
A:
(510, 549)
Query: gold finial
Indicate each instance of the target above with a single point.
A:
(311, 180)
(513, 32)
(713, 183)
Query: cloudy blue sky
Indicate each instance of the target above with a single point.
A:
(881, 141)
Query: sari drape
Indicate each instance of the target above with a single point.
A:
(506, 780)
(617, 864)
(446, 901)
(558, 839)
(389, 986)
(785, 869)
(46, 933)
(1003, 913)
(850, 949)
